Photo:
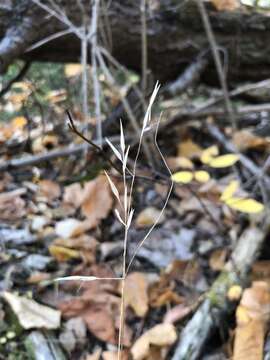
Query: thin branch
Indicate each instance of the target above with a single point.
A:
(98, 150)
(60, 16)
(144, 47)
(84, 62)
(96, 85)
(245, 161)
(214, 48)
(48, 39)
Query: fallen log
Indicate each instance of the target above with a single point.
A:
(175, 36)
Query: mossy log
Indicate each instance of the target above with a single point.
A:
(216, 309)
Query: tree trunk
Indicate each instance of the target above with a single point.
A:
(174, 30)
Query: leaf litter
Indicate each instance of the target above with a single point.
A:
(54, 227)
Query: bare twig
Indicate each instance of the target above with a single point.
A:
(214, 48)
(125, 103)
(84, 62)
(50, 155)
(94, 26)
(98, 150)
(48, 39)
(144, 47)
(245, 161)
(238, 91)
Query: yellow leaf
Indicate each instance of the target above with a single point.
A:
(229, 190)
(184, 177)
(62, 253)
(250, 206)
(201, 176)
(73, 70)
(234, 293)
(209, 153)
(224, 161)
(19, 122)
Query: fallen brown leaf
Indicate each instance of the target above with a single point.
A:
(73, 195)
(97, 200)
(252, 316)
(148, 217)
(49, 189)
(95, 356)
(113, 355)
(218, 259)
(12, 206)
(86, 246)
(228, 5)
(62, 254)
(160, 335)
(177, 313)
(136, 293)
(31, 314)
(97, 305)
(244, 139)
(189, 149)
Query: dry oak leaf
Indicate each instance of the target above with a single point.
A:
(97, 201)
(32, 314)
(12, 206)
(160, 335)
(148, 217)
(227, 5)
(85, 244)
(136, 293)
(73, 195)
(49, 189)
(113, 355)
(94, 356)
(97, 305)
(252, 316)
(177, 313)
(189, 149)
(244, 139)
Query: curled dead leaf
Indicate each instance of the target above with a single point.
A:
(136, 293)
(97, 200)
(160, 335)
(31, 314)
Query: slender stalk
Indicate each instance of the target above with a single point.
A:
(93, 32)
(214, 49)
(84, 49)
(144, 47)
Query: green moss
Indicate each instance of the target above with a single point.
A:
(217, 294)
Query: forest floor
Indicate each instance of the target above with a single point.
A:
(58, 219)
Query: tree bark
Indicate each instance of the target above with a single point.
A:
(175, 36)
